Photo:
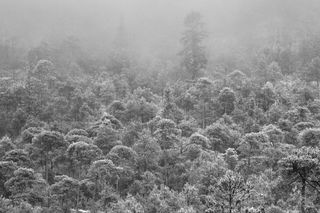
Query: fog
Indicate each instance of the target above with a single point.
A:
(155, 26)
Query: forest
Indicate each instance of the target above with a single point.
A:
(206, 122)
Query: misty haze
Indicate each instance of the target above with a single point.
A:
(159, 106)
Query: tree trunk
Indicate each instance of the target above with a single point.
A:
(46, 167)
(51, 168)
(117, 184)
(187, 113)
(96, 189)
(78, 190)
(47, 178)
(203, 116)
(303, 196)
(145, 165)
(318, 88)
(249, 164)
(230, 203)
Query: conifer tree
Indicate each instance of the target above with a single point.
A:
(193, 54)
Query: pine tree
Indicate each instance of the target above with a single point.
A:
(193, 54)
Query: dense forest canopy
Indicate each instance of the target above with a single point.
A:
(149, 106)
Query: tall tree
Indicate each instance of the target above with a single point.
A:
(202, 92)
(167, 134)
(82, 155)
(193, 54)
(6, 172)
(18, 156)
(101, 173)
(310, 137)
(221, 136)
(46, 145)
(64, 192)
(6, 145)
(231, 191)
(119, 59)
(312, 71)
(26, 185)
(170, 109)
(302, 166)
(148, 151)
(227, 99)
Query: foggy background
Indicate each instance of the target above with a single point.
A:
(155, 26)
